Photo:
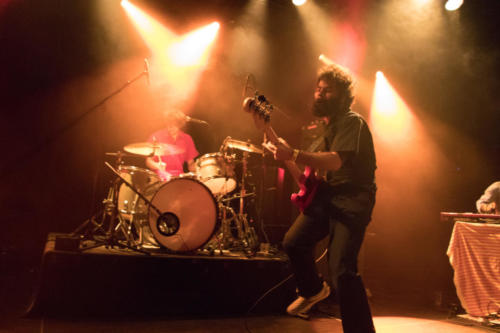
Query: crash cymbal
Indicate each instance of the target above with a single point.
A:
(150, 148)
(242, 145)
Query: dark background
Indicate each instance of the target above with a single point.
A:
(60, 59)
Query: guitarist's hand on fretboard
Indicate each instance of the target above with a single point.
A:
(283, 150)
(261, 123)
(269, 146)
(280, 149)
(308, 183)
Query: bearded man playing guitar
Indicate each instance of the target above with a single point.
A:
(342, 204)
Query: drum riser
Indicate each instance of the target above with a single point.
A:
(106, 282)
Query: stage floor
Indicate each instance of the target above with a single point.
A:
(387, 319)
(231, 282)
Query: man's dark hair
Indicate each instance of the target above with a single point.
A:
(340, 78)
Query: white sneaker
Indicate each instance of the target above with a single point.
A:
(302, 305)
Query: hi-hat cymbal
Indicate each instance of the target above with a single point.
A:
(118, 153)
(150, 148)
(242, 145)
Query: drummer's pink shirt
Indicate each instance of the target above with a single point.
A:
(186, 147)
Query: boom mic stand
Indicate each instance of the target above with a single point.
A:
(110, 203)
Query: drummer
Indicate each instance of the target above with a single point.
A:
(179, 147)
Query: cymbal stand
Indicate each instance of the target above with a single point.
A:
(111, 211)
(109, 205)
(115, 222)
(123, 225)
(247, 237)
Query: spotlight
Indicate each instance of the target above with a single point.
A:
(453, 4)
(325, 60)
(299, 2)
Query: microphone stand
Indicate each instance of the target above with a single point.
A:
(10, 166)
(113, 93)
(111, 210)
(110, 202)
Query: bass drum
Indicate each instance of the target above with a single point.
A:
(187, 215)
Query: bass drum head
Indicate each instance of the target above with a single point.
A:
(189, 215)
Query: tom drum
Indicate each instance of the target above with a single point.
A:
(217, 172)
(140, 179)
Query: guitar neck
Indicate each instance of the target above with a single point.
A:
(291, 166)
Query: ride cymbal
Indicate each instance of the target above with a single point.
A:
(242, 145)
(152, 148)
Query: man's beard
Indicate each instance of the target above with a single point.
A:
(325, 108)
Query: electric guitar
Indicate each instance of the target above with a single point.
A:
(307, 181)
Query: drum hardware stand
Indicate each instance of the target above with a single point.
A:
(108, 206)
(109, 214)
(246, 236)
(111, 210)
(223, 239)
(241, 237)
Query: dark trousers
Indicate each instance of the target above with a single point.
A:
(346, 236)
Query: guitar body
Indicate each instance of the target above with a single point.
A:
(307, 181)
(308, 186)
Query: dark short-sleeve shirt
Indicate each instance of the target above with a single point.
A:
(350, 191)
(350, 136)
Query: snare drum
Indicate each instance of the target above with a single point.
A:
(217, 172)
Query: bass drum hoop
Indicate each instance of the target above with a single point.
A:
(185, 210)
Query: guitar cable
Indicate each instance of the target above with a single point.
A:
(279, 284)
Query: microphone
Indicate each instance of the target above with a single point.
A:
(194, 120)
(246, 86)
(247, 82)
(146, 69)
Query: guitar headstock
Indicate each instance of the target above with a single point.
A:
(259, 105)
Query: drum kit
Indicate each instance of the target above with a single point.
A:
(201, 211)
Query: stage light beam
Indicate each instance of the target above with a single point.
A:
(190, 50)
(177, 61)
(392, 120)
(154, 34)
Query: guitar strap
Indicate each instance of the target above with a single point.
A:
(315, 144)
